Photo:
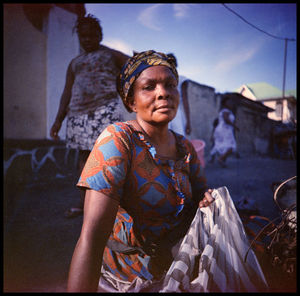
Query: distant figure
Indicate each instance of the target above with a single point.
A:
(89, 99)
(223, 137)
(181, 123)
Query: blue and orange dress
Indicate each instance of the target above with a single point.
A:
(155, 195)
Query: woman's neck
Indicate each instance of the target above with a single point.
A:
(93, 50)
(160, 137)
(155, 133)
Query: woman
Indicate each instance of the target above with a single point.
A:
(89, 99)
(144, 185)
(223, 134)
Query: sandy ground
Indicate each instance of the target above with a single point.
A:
(39, 241)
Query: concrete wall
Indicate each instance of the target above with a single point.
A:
(24, 76)
(255, 132)
(204, 106)
(35, 64)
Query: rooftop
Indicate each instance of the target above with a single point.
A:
(263, 91)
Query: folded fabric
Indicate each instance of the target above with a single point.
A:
(215, 246)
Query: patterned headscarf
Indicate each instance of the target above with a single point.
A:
(136, 65)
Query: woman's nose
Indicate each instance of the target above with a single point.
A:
(162, 92)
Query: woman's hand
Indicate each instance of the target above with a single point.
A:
(188, 128)
(207, 199)
(54, 130)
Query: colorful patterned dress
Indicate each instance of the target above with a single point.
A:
(155, 195)
(94, 101)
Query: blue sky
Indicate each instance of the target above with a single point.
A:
(213, 46)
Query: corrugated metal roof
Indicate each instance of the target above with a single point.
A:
(263, 90)
(292, 92)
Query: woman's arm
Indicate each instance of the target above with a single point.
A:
(186, 107)
(228, 121)
(98, 220)
(64, 103)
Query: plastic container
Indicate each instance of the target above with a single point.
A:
(199, 146)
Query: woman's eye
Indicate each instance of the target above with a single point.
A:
(148, 87)
(172, 85)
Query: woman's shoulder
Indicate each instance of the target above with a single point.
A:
(78, 60)
(184, 144)
(115, 135)
(78, 57)
(104, 47)
(74, 61)
(118, 129)
(105, 50)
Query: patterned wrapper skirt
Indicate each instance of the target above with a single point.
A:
(210, 258)
(84, 129)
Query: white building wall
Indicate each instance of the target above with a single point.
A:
(24, 75)
(204, 108)
(62, 47)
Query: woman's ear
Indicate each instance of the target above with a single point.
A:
(131, 103)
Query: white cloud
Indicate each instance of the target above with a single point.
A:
(119, 45)
(235, 58)
(189, 70)
(148, 17)
(181, 10)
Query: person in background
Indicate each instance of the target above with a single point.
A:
(89, 99)
(181, 124)
(224, 134)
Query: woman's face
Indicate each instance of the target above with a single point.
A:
(155, 95)
(89, 38)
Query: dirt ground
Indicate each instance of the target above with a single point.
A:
(39, 241)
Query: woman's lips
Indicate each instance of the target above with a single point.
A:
(164, 108)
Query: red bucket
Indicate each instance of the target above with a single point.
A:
(199, 146)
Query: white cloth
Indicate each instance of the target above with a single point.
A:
(224, 134)
(210, 257)
(217, 242)
(179, 122)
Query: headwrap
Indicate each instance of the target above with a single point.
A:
(136, 65)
